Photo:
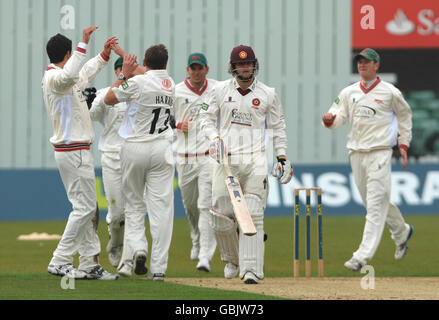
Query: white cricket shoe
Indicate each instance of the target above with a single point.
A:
(401, 250)
(99, 273)
(203, 265)
(231, 270)
(126, 269)
(354, 264)
(157, 277)
(66, 270)
(195, 251)
(250, 278)
(114, 255)
(140, 263)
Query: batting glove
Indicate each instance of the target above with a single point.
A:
(282, 170)
(217, 150)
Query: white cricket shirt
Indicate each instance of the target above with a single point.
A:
(65, 104)
(376, 116)
(241, 119)
(111, 118)
(187, 105)
(150, 98)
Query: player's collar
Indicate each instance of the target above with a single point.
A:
(51, 66)
(371, 85)
(252, 87)
(198, 92)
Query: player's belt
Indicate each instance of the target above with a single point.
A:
(72, 147)
(190, 155)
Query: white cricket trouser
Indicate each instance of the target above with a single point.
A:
(77, 174)
(372, 173)
(251, 171)
(195, 181)
(149, 165)
(112, 179)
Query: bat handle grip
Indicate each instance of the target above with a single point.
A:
(226, 165)
(227, 168)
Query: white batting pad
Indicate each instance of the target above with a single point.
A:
(226, 237)
(251, 249)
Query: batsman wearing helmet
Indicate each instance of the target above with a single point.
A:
(235, 118)
(377, 113)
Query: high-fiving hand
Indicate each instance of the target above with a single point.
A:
(129, 65)
(86, 33)
(109, 44)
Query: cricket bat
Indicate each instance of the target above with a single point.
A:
(240, 208)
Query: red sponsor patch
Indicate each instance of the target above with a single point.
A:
(256, 102)
(378, 100)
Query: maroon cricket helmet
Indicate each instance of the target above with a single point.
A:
(242, 53)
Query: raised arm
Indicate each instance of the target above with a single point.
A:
(95, 65)
(66, 77)
(128, 68)
(121, 53)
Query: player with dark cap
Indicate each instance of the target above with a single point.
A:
(235, 118)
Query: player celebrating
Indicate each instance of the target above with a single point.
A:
(234, 119)
(111, 118)
(377, 112)
(193, 164)
(63, 82)
(146, 157)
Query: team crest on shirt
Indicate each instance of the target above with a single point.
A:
(205, 106)
(256, 102)
(166, 85)
(124, 85)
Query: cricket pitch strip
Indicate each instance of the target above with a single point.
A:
(391, 288)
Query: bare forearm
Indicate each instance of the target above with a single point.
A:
(110, 97)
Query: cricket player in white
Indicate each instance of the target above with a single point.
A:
(110, 142)
(146, 157)
(63, 82)
(377, 112)
(194, 166)
(234, 119)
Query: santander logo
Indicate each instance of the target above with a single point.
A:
(427, 23)
(400, 26)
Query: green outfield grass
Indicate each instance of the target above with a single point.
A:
(23, 264)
